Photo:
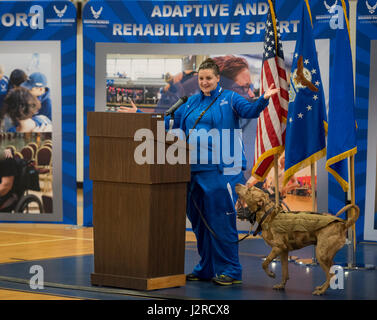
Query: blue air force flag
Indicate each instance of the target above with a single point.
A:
(341, 140)
(305, 134)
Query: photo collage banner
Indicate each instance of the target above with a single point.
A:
(38, 111)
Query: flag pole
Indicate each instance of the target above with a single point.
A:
(352, 230)
(351, 264)
(276, 174)
(314, 204)
(312, 177)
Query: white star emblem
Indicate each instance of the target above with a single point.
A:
(296, 55)
(315, 97)
(309, 108)
(300, 115)
(290, 119)
(317, 83)
(306, 61)
(314, 71)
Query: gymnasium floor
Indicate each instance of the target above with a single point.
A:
(66, 255)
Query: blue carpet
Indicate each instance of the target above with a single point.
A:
(62, 273)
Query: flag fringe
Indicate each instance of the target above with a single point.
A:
(343, 183)
(276, 150)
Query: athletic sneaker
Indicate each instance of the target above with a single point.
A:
(225, 280)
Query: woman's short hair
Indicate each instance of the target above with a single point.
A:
(20, 104)
(210, 64)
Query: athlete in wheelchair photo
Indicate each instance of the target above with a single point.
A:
(18, 176)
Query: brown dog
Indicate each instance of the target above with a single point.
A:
(286, 231)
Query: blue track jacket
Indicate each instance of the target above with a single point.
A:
(224, 114)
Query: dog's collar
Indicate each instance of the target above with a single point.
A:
(259, 225)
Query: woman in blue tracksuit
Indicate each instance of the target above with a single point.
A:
(214, 172)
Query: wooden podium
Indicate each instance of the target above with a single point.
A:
(139, 211)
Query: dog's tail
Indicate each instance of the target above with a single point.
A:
(352, 217)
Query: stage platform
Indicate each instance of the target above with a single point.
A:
(70, 277)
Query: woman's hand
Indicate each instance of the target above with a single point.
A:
(132, 109)
(271, 91)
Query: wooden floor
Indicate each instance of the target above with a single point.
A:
(25, 242)
(19, 295)
(20, 242)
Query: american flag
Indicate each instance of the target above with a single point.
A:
(270, 137)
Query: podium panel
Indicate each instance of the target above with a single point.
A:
(138, 210)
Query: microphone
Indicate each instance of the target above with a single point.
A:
(175, 106)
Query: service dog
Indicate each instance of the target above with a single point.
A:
(286, 231)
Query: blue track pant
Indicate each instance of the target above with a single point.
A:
(213, 194)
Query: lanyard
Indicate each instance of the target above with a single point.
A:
(202, 114)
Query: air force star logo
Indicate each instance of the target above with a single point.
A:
(302, 78)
